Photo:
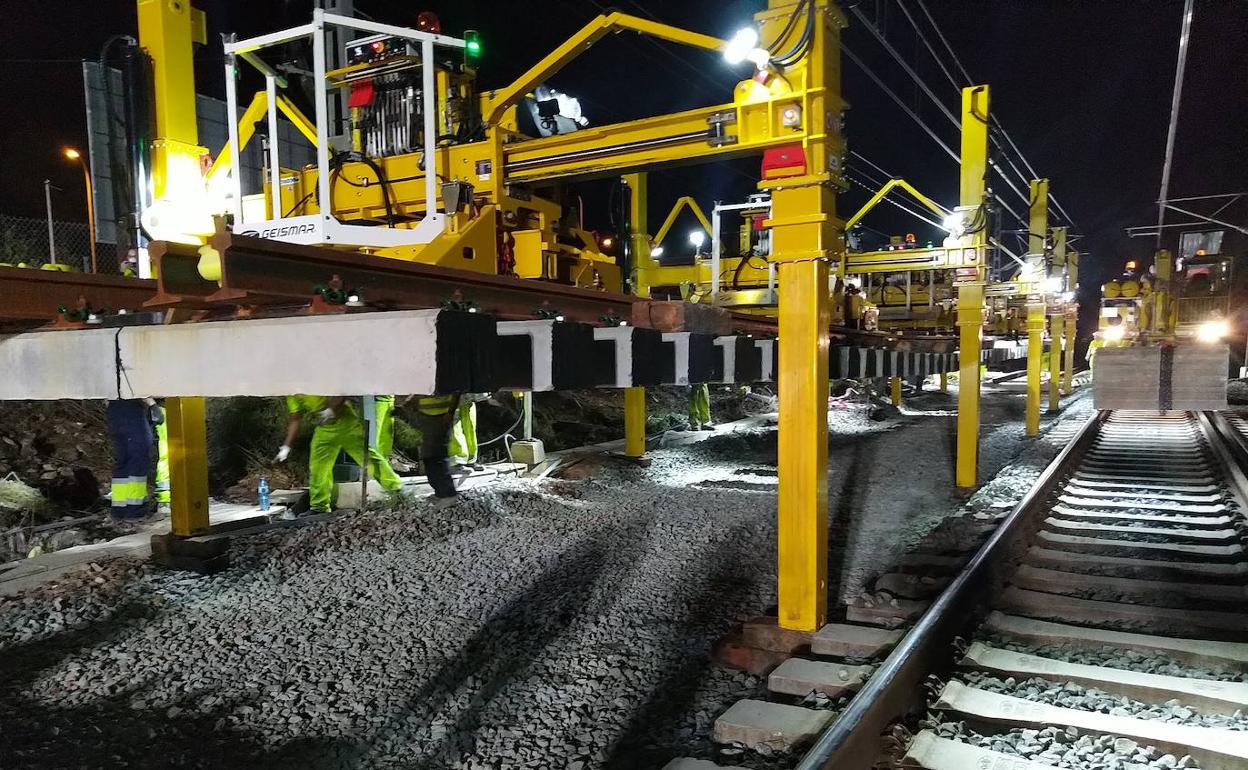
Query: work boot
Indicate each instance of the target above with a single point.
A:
(443, 502)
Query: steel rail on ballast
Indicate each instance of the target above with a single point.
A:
(853, 740)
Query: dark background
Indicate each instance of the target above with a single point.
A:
(1084, 89)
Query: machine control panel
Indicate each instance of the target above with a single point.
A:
(368, 50)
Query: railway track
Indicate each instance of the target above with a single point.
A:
(1103, 625)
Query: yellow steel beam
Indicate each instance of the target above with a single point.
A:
(297, 119)
(188, 465)
(883, 193)
(246, 130)
(939, 258)
(581, 42)
(1035, 351)
(1056, 329)
(975, 109)
(1037, 225)
(944, 382)
(894, 388)
(682, 202)
(634, 422)
(168, 31)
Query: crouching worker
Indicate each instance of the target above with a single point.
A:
(338, 429)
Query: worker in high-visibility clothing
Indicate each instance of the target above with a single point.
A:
(700, 407)
(130, 424)
(339, 429)
(435, 419)
(463, 447)
(384, 406)
(163, 498)
(855, 307)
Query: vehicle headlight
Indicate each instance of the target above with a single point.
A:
(1113, 333)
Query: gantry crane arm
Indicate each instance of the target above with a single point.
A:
(883, 192)
(579, 43)
(680, 204)
(247, 127)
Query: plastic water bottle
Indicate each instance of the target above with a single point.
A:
(264, 493)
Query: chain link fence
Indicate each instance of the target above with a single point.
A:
(24, 241)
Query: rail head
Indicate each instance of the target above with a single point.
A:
(853, 740)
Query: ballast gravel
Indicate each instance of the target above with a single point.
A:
(1068, 748)
(1116, 657)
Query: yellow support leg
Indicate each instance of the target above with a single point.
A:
(803, 548)
(894, 386)
(944, 382)
(188, 465)
(1056, 327)
(635, 422)
(970, 332)
(1068, 373)
(1035, 351)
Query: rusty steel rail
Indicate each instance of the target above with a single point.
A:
(33, 297)
(896, 689)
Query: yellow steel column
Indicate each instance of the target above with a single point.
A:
(975, 109)
(1068, 367)
(1035, 351)
(188, 465)
(639, 237)
(1056, 328)
(634, 422)
(806, 236)
(894, 388)
(1038, 230)
(944, 382)
(168, 31)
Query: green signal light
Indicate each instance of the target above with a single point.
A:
(472, 44)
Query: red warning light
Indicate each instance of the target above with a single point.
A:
(428, 21)
(379, 46)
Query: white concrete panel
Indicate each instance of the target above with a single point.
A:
(766, 348)
(680, 349)
(1199, 377)
(542, 336)
(621, 337)
(50, 365)
(1126, 378)
(728, 344)
(331, 355)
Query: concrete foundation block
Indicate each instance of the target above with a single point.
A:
(849, 641)
(775, 725)
(800, 677)
(765, 633)
(684, 763)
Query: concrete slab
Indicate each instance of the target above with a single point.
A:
(684, 763)
(1198, 652)
(800, 677)
(1166, 620)
(1085, 544)
(765, 633)
(544, 355)
(23, 575)
(1206, 696)
(626, 356)
(846, 641)
(1208, 746)
(48, 365)
(742, 360)
(1198, 536)
(1144, 569)
(767, 355)
(891, 614)
(775, 725)
(691, 359)
(932, 752)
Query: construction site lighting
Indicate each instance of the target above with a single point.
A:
(657, 251)
(697, 238)
(1054, 284)
(1212, 331)
(741, 45)
(1113, 333)
(72, 154)
(954, 224)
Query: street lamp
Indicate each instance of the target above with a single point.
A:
(73, 154)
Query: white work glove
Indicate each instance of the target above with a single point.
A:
(282, 454)
(325, 416)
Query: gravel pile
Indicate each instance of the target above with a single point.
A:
(1115, 657)
(519, 629)
(1069, 748)
(1074, 696)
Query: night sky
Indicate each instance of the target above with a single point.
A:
(1084, 88)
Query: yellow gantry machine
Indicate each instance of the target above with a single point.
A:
(493, 205)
